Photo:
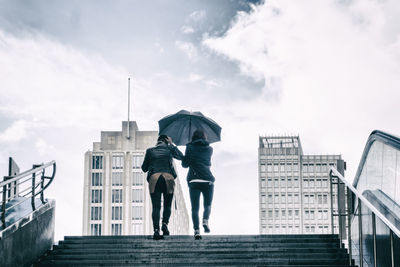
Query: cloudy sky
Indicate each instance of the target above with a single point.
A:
(326, 70)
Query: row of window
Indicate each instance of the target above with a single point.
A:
(117, 161)
(116, 213)
(280, 214)
(321, 214)
(291, 198)
(116, 228)
(288, 167)
(117, 178)
(283, 182)
(117, 195)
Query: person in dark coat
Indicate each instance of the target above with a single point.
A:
(158, 163)
(200, 179)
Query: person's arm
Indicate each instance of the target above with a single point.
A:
(146, 161)
(186, 158)
(176, 153)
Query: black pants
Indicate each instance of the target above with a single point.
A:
(195, 189)
(161, 188)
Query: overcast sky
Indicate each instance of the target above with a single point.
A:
(326, 70)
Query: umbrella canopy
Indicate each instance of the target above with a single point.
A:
(181, 126)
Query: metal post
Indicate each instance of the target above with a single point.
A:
(41, 187)
(3, 206)
(374, 236)
(360, 233)
(332, 221)
(391, 248)
(339, 213)
(33, 189)
(349, 214)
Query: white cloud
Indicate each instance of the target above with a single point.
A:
(197, 15)
(333, 66)
(188, 48)
(16, 132)
(187, 29)
(193, 77)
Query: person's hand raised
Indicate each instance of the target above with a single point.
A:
(169, 140)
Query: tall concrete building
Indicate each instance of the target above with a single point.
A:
(116, 199)
(294, 190)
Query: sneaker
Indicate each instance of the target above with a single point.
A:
(205, 226)
(164, 229)
(157, 235)
(197, 235)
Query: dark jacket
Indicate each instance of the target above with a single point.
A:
(159, 159)
(198, 159)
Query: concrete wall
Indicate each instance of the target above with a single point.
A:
(25, 241)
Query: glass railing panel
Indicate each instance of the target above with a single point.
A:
(383, 257)
(396, 249)
(367, 236)
(389, 164)
(355, 241)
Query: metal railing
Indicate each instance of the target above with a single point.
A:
(354, 200)
(25, 186)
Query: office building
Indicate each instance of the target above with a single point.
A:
(294, 189)
(116, 199)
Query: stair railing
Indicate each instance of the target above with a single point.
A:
(26, 185)
(352, 209)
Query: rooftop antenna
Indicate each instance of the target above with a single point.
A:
(129, 104)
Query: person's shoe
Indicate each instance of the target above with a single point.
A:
(164, 229)
(197, 235)
(205, 226)
(157, 235)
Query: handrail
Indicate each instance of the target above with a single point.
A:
(376, 135)
(365, 201)
(34, 182)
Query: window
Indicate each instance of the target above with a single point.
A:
(137, 213)
(269, 214)
(283, 198)
(276, 167)
(282, 167)
(262, 168)
(295, 167)
(276, 199)
(319, 197)
(324, 183)
(276, 182)
(97, 196)
(289, 167)
(318, 167)
(289, 182)
(325, 215)
(312, 214)
(289, 198)
(311, 168)
(262, 182)
(263, 214)
(270, 199)
(137, 178)
(296, 182)
(116, 229)
(95, 213)
(137, 161)
(312, 197)
(118, 161)
(116, 213)
(283, 182)
(276, 213)
(95, 229)
(97, 162)
(269, 183)
(117, 178)
(311, 183)
(305, 183)
(305, 167)
(116, 196)
(320, 214)
(296, 214)
(306, 214)
(111, 140)
(318, 184)
(97, 179)
(137, 195)
(296, 198)
(325, 199)
(269, 167)
(137, 228)
(283, 212)
(290, 214)
(306, 199)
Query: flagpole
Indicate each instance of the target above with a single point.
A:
(129, 104)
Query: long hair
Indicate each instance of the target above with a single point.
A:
(198, 134)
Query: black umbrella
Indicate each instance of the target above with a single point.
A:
(181, 126)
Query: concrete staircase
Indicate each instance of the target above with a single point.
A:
(254, 250)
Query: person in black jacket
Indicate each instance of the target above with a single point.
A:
(200, 179)
(158, 162)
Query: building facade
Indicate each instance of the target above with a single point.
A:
(116, 199)
(294, 189)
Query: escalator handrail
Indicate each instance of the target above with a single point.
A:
(366, 202)
(376, 135)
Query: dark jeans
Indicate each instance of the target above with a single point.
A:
(161, 188)
(208, 191)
